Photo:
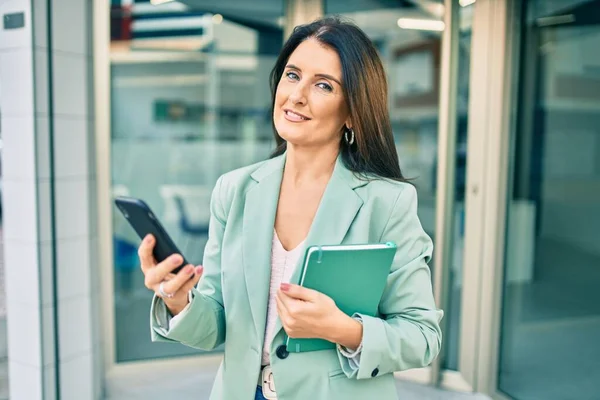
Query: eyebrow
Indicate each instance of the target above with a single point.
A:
(292, 66)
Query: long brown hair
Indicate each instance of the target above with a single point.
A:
(365, 91)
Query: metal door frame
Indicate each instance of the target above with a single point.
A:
(485, 207)
(492, 102)
(492, 111)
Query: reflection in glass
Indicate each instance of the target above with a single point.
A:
(189, 101)
(551, 304)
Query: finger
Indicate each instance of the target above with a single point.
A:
(285, 300)
(281, 309)
(299, 292)
(147, 260)
(169, 277)
(190, 284)
(168, 265)
(160, 272)
(173, 285)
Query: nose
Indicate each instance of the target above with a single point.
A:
(298, 95)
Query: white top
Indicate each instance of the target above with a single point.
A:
(283, 263)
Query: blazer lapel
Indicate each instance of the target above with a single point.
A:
(335, 214)
(338, 208)
(258, 224)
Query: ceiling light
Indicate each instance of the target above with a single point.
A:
(217, 19)
(421, 24)
(465, 3)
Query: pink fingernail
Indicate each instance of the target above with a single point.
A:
(285, 287)
(189, 269)
(199, 269)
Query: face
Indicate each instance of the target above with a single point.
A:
(310, 109)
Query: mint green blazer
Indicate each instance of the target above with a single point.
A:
(229, 304)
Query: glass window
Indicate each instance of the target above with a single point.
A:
(190, 101)
(408, 37)
(551, 303)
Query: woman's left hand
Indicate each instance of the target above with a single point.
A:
(306, 313)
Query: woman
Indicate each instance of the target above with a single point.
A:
(334, 178)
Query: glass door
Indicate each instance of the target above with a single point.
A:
(176, 96)
(550, 321)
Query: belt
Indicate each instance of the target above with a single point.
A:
(265, 378)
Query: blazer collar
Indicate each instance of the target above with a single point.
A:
(338, 208)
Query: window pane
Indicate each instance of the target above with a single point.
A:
(189, 101)
(551, 306)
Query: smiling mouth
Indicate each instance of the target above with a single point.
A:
(295, 117)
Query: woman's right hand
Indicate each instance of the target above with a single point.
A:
(179, 285)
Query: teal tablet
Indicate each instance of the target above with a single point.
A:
(354, 276)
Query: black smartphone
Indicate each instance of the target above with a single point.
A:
(144, 221)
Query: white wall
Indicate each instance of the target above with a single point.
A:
(45, 94)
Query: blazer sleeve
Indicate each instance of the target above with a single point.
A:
(407, 334)
(202, 326)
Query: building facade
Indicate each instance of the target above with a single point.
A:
(495, 107)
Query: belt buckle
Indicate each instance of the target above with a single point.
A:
(268, 385)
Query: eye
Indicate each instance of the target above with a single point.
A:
(292, 75)
(325, 86)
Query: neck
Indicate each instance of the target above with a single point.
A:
(309, 165)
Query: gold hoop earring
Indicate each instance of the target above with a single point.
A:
(350, 140)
